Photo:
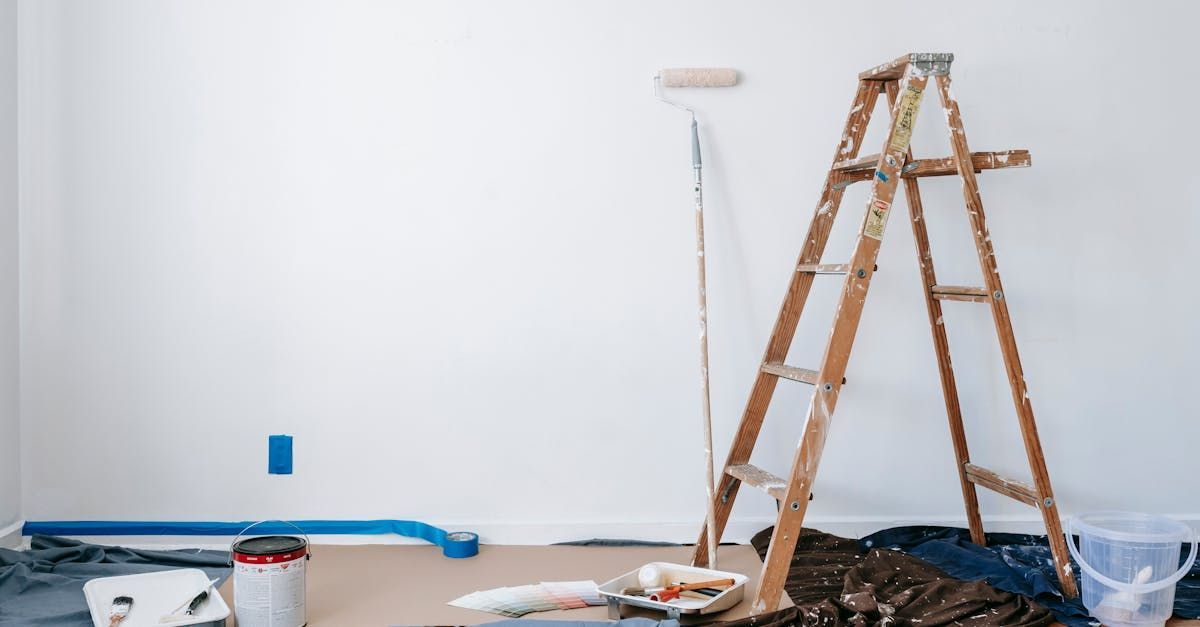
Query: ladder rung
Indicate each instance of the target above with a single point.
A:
(803, 375)
(759, 478)
(945, 166)
(863, 168)
(865, 163)
(1008, 487)
(824, 268)
(959, 292)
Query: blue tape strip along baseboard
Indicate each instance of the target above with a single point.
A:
(453, 543)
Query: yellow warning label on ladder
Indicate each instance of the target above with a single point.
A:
(907, 116)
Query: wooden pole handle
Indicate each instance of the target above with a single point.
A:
(715, 583)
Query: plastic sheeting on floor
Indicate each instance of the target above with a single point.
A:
(1013, 562)
(834, 581)
(44, 585)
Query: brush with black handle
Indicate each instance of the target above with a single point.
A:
(189, 607)
(200, 598)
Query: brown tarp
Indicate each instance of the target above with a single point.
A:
(833, 583)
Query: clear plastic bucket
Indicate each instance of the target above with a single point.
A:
(1130, 565)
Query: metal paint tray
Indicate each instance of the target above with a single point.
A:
(611, 591)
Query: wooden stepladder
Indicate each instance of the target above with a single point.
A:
(904, 81)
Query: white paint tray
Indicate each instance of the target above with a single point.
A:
(154, 595)
(676, 573)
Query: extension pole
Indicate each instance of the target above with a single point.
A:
(705, 402)
(700, 77)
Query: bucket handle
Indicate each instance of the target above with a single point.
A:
(1135, 588)
(307, 542)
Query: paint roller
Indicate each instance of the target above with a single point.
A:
(698, 77)
(682, 78)
(693, 77)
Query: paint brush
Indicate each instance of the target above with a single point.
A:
(677, 588)
(119, 610)
(188, 607)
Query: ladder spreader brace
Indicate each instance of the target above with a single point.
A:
(904, 81)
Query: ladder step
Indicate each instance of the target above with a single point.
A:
(959, 292)
(824, 268)
(1008, 487)
(863, 168)
(861, 163)
(803, 375)
(945, 166)
(759, 478)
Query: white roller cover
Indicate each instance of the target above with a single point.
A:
(699, 77)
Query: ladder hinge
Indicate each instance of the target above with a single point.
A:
(930, 63)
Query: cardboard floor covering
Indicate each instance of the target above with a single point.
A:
(410, 585)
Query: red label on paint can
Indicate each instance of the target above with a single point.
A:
(269, 559)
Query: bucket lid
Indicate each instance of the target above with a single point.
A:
(1132, 527)
(268, 545)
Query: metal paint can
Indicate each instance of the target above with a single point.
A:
(269, 581)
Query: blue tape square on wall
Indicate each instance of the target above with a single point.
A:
(279, 458)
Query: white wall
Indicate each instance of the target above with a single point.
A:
(448, 246)
(10, 421)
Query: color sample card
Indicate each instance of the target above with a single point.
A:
(521, 600)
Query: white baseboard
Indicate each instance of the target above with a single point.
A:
(10, 536)
(739, 531)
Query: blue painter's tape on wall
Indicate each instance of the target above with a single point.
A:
(279, 454)
(453, 543)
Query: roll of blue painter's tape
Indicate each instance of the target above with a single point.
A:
(460, 544)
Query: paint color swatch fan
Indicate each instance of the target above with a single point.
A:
(518, 601)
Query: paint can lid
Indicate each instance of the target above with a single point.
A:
(268, 545)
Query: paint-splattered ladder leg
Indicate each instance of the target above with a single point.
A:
(941, 345)
(789, 315)
(841, 340)
(1008, 346)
